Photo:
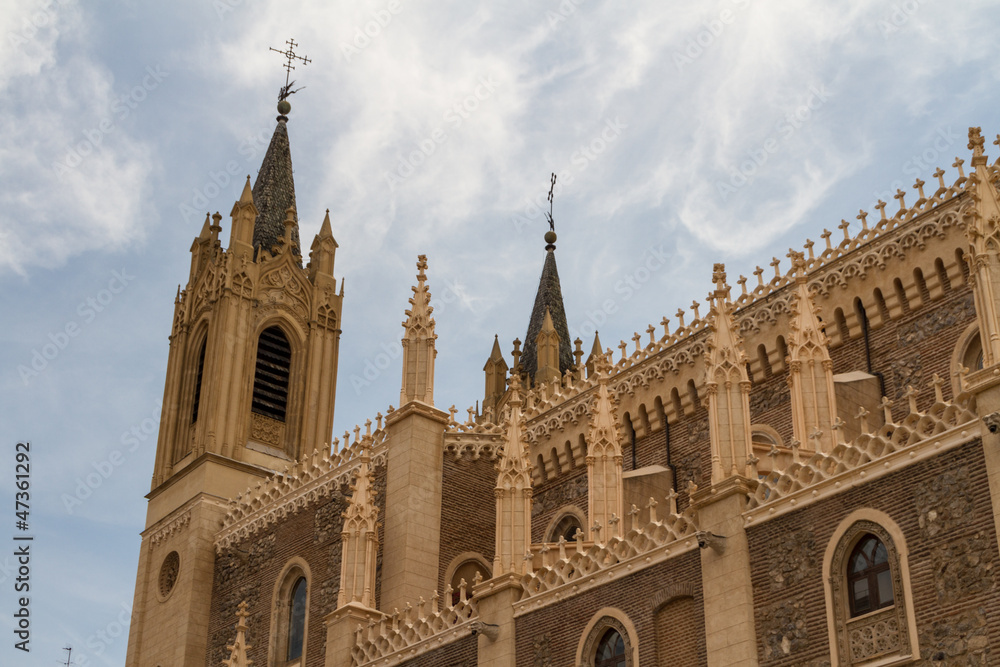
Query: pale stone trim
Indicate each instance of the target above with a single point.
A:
(171, 527)
(958, 355)
(311, 479)
(867, 472)
(598, 625)
(619, 570)
(898, 550)
(463, 558)
(295, 567)
(562, 513)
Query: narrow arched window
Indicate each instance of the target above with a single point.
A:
(197, 382)
(566, 529)
(610, 650)
(869, 579)
(270, 384)
(297, 619)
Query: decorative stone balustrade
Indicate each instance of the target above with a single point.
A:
(307, 481)
(578, 564)
(916, 427)
(415, 630)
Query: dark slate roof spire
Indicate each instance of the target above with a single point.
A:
(549, 297)
(274, 189)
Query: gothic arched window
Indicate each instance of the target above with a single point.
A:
(610, 650)
(869, 579)
(197, 381)
(297, 619)
(270, 384)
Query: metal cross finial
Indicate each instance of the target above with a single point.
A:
(552, 222)
(291, 55)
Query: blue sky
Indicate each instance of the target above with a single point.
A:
(683, 134)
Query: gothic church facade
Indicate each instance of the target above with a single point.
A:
(807, 473)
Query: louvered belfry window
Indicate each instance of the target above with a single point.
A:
(270, 383)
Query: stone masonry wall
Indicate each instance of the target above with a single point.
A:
(249, 571)
(549, 637)
(942, 505)
(468, 511)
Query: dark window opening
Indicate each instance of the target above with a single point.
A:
(611, 650)
(869, 577)
(297, 619)
(197, 383)
(270, 385)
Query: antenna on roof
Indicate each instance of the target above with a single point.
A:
(69, 656)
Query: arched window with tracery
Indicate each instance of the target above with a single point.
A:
(565, 528)
(610, 650)
(290, 616)
(870, 607)
(297, 620)
(608, 641)
(869, 578)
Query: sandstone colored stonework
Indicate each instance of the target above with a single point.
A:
(425, 536)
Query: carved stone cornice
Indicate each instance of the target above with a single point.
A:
(170, 528)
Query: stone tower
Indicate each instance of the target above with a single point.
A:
(250, 388)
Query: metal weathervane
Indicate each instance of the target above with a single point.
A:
(286, 90)
(552, 222)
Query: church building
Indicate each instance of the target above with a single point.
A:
(803, 471)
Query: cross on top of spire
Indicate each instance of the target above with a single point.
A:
(291, 56)
(719, 277)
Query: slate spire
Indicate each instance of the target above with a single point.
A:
(549, 298)
(274, 189)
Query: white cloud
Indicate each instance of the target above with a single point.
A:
(74, 179)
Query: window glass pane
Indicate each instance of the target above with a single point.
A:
(859, 597)
(611, 650)
(881, 555)
(869, 547)
(858, 564)
(297, 620)
(885, 596)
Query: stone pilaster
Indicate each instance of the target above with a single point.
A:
(360, 538)
(413, 503)
(495, 600)
(730, 637)
(341, 632)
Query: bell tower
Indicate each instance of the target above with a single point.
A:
(250, 389)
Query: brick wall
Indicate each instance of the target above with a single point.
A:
(468, 511)
(943, 508)
(249, 571)
(555, 632)
(461, 653)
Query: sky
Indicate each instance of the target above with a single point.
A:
(682, 134)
